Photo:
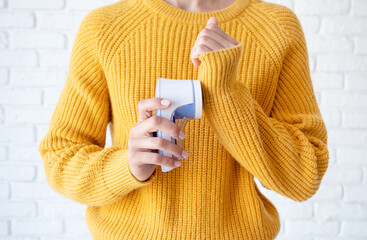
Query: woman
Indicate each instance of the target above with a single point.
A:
(260, 119)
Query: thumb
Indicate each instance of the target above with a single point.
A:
(212, 20)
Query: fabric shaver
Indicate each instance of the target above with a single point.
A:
(186, 102)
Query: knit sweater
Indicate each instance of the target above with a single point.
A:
(260, 119)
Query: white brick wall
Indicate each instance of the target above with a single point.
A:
(35, 43)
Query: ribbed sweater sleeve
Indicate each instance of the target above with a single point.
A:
(75, 161)
(287, 151)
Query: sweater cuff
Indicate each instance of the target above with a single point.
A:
(217, 72)
(117, 176)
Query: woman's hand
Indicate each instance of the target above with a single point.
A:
(141, 156)
(211, 38)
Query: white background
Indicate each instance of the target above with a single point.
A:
(36, 37)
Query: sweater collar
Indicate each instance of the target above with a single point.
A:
(223, 15)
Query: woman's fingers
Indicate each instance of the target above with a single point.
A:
(197, 50)
(211, 38)
(156, 159)
(207, 41)
(146, 106)
(153, 124)
(206, 32)
(222, 33)
(157, 143)
(142, 155)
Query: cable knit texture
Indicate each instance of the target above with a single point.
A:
(260, 119)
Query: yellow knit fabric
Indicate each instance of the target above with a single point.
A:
(260, 119)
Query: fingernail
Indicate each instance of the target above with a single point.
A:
(182, 135)
(165, 102)
(184, 154)
(177, 163)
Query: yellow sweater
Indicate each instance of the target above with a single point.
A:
(260, 119)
